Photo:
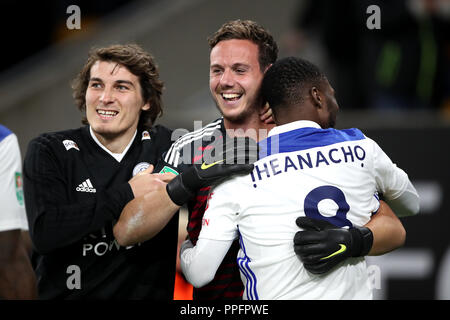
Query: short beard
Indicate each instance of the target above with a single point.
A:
(242, 117)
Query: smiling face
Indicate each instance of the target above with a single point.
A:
(113, 101)
(235, 79)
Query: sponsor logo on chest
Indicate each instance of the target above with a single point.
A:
(86, 186)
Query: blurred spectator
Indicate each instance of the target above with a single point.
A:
(335, 25)
(405, 64)
(31, 27)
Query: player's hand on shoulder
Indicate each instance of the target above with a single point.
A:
(321, 245)
(266, 115)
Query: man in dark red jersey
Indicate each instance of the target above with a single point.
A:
(241, 52)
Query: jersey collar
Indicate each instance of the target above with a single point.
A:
(117, 156)
(293, 126)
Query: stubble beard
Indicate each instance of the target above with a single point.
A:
(244, 115)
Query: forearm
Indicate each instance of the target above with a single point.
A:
(17, 279)
(388, 231)
(55, 224)
(144, 217)
(200, 263)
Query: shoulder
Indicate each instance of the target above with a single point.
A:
(160, 133)
(160, 137)
(4, 132)
(349, 134)
(160, 130)
(56, 141)
(189, 143)
(199, 134)
(9, 146)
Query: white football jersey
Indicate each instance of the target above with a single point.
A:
(303, 171)
(12, 213)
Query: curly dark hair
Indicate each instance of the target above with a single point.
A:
(138, 62)
(248, 30)
(284, 82)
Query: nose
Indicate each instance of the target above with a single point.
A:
(107, 96)
(227, 79)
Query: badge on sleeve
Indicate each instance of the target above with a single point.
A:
(19, 187)
(168, 169)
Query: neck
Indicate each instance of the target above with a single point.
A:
(115, 143)
(291, 115)
(252, 127)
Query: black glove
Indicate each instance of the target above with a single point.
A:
(235, 157)
(322, 245)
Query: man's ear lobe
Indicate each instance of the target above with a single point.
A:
(267, 68)
(316, 96)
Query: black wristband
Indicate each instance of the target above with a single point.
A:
(362, 241)
(177, 191)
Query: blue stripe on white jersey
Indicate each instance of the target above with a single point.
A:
(4, 132)
(250, 286)
(306, 138)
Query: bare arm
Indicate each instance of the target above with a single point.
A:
(17, 279)
(388, 231)
(146, 215)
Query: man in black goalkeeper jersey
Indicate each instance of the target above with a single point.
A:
(77, 182)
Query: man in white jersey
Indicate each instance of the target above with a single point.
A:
(17, 279)
(328, 177)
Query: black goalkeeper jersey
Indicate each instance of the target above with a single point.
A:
(74, 194)
(192, 148)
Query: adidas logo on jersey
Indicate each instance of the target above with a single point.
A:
(86, 186)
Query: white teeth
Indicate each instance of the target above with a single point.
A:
(230, 95)
(107, 113)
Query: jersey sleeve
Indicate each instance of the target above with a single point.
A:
(222, 211)
(54, 221)
(199, 263)
(12, 215)
(219, 228)
(393, 183)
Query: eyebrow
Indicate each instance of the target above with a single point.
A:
(240, 65)
(117, 81)
(234, 66)
(125, 82)
(216, 65)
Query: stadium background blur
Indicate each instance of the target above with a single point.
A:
(393, 83)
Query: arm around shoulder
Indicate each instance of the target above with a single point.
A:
(387, 229)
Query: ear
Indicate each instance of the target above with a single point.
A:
(316, 97)
(267, 68)
(146, 107)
